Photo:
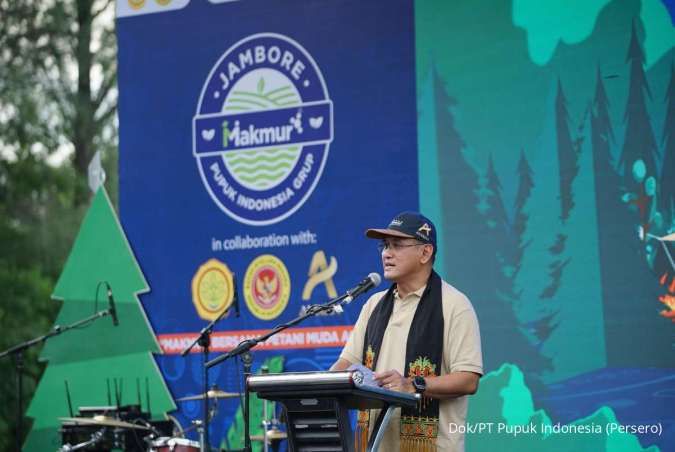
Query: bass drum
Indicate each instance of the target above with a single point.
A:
(165, 444)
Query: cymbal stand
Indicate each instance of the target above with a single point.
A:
(201, 432)
(247, 359)
(204, 341)
(265, 423)
(95, 438)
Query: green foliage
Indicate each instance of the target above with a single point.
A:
(57, 99)
(58, 76)
(37, 221)
(20, 288)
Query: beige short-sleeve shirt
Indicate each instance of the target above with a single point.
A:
(461, 352)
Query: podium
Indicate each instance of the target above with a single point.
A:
(316, 406)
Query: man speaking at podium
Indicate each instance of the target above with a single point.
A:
(421, 335)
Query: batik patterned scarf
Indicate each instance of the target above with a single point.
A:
(424, 352)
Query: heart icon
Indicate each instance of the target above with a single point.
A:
(315, 123)
(208, 134)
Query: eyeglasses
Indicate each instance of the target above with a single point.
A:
(396, 246)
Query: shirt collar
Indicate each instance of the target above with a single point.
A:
(417, 294)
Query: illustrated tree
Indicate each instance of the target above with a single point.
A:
(639, 142)
(459, 187)
(567, 154)
(624, 276)
(538, 215)
(472, 251)
(667, 198)
(556, 267)
(538, 327)
(568, 168)
(497, 220)
(500, 241)
(520, 217)
(88, 358)
(578, 294)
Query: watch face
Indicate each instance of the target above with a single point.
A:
(420, 384)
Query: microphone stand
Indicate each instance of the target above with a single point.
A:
(204, 341)
(244, 348)
(17, 352)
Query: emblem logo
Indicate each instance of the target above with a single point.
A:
(262, 129)
(212, 289)
(267, 287)
(136, 4)
(425, 229)
(320, 272)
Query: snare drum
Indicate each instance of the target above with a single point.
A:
(165, 444)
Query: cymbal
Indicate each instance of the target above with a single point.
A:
(103, 421)
(213, 394)
(272, 435)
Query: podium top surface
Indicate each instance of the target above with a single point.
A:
(346, 385)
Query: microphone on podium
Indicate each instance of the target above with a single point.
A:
(372, 280)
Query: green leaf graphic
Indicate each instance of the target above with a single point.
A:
(261, 85)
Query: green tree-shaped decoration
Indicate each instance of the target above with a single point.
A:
(89, 357)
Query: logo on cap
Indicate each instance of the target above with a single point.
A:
(425, 229)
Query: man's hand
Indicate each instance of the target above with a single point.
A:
(394, 381)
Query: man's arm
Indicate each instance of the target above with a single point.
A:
(454, 384)
(340, 364)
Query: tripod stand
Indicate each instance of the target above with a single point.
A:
(17, 353)
(204, 341)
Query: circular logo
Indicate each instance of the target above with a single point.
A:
(136, 4)
(212, 289)
(262, 130)
(267, 287)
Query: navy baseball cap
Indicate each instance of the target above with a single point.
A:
(409, 225)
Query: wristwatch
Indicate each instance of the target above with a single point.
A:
(420, 384)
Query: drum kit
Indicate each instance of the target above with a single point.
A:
(270, 437)
(124, 428)
(110, 428)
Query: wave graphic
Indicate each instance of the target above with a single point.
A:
(264, 170)
(253, 159)
(261, 169)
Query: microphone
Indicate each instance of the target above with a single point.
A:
(111, 306)
(236, 295)
(373, 280)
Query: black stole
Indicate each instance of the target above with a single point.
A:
(423, 356)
